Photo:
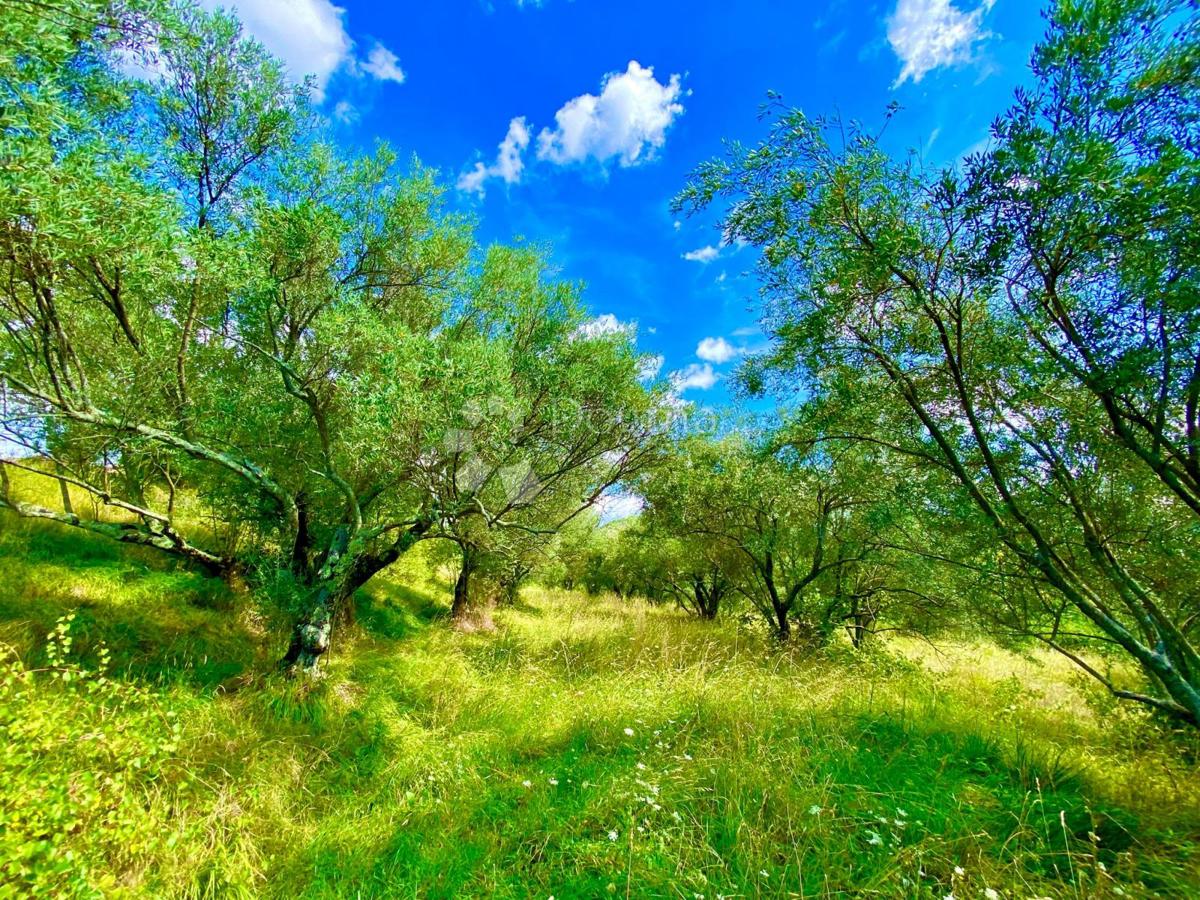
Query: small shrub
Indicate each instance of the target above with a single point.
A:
(82, 761)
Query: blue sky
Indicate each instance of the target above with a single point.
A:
(573, 122)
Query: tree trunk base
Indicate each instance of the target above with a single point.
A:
(472, 618)
(309, 644)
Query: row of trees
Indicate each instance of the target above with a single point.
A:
(1022, 329)
(1000, 371)
(997, 364)
(258, 355)
(813, 544)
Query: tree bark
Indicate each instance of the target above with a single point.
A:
(708, 597)
(63, 488)
(336, 583)
(783, 627)
(461, 606)
(312, 634)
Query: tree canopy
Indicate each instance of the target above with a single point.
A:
(1022, 328)
(306, 347)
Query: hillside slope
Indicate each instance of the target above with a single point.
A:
(585, 748)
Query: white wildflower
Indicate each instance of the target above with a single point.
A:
(874, 839)
(527, 783)
(814, 810)
(991, 894)
(959, 870)
(629, 732)
(554, 782)
(612, 835)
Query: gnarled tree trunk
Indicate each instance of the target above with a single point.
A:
(332, 591)
(312, 633)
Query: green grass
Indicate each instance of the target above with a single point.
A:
(586, 748)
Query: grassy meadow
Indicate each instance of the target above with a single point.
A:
(586, 747)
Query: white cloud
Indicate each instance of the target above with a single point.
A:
(678, 224)
(651, 365)
(930, 34)
(628, 121)
(508, 165)
(716, 350)
(933, 136)
(618, 504)
(383, 64)
(604, 324)
(703, 254)
(310, 37)
(697, 375)
(344, 111)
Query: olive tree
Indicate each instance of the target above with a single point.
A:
(767, 522)
(207, 309)
(1031, 319)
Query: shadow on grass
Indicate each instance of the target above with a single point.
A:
(1038, 807)
(386, 609)
(162, 623)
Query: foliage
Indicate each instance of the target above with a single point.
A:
(1023, 331)
(194, 269)
(802, 535)
(82, 756)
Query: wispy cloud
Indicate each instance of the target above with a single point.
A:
(311, 38)
(931, 34)
(627, 122)
(699, 376)
(508, 165)
(716, 350)
(703, 254)
(383, 64)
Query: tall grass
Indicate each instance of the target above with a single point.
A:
(586, 748)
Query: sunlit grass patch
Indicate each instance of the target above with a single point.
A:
(587, 747)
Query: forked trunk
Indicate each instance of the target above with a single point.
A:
(708, 597)
(332, 594)
(312, 633)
